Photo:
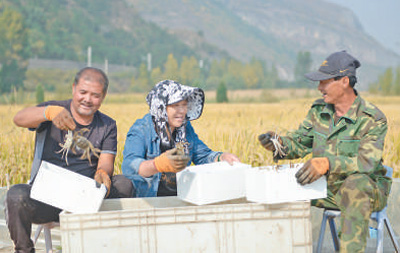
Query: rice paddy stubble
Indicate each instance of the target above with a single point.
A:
(231, 128)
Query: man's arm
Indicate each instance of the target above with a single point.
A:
(106, 163)
(30, 117)
(299, 143)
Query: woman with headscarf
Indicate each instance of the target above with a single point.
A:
(163, 142)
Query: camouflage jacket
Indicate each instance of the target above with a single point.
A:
(353, 145)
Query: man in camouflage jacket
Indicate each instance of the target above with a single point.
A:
(346, 137)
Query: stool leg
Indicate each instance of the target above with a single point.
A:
(392, 235)
(334, 233)
(37, 233)
(47, 240)
(321, 234)
(379, 238)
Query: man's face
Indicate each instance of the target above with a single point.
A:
(87, 96)
(332, 90)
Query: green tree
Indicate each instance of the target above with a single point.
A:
(171, 70)
(14, 51)
(222, 93)
(386, 81)
(218, 68)
(39, 94)
(396, 84)
(259, 70)
(234, 74)
(303, 66)
(155, 75)
(189, 70)
(142, 81)
(272, 77)
(253, 74)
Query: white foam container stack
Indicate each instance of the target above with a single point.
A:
(168, 224)
(277, 185)
(212, 183)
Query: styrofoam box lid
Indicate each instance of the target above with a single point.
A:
(66, 189)
(211, 183)
(278, 185)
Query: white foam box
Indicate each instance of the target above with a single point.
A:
(66, 189)
(211, 183)
(168, 224)
(277, 185)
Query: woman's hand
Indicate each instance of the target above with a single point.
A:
(230, 158)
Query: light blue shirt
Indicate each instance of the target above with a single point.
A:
(142, 143)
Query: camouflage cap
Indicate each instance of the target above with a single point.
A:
(337, 64)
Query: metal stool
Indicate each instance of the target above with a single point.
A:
(46, 227)
(380, 218)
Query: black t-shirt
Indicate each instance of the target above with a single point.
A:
(102, 134)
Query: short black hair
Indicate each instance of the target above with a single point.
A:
(103, 79)
(352, 80)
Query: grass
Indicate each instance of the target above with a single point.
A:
(231, 127)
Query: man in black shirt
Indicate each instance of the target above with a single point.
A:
(52, 120)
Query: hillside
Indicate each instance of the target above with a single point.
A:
(273, 30)
(124, 31)
(63, 30)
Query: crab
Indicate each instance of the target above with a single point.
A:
(279, 150)
(182, 148)
(76, 141)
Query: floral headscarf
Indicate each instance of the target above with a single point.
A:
(169, 92)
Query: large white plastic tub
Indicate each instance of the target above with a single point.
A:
(211, 183)
(167, 224)
(271, 185)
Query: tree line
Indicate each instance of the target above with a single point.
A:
(255, 74)
(388, 83)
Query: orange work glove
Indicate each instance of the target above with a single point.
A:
(171, 161)
(102, 177)
(312, 170)
(60, 116)
(52, 111)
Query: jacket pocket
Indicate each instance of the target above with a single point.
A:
(348, 147)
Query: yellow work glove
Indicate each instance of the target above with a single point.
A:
(171, 161)
(60, 116)
(102, 177)
(312, 170)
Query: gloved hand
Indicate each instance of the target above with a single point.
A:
(60, 116)
(52, 111)
(266, 142)
(102, 177)
(171, 161)
(312, 170)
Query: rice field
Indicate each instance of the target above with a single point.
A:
(223, 127)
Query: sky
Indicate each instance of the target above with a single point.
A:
(380, 19)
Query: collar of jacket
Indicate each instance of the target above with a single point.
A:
(351, 114)
(150, 122)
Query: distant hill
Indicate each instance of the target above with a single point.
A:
(273, 30)
(63, 30)
(124, 31)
